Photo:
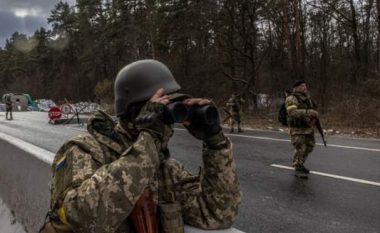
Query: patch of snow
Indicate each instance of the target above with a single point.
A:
(44, 105)
(8, 223)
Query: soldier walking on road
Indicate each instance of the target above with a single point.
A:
(8, 107)
(103, 179)
(234, 105)
(301, 117)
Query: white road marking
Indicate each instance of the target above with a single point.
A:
(332, 176)
(351, 147)
(287, 140)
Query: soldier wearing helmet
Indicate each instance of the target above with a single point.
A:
(234, 105)
(8, 107)
(99, 178)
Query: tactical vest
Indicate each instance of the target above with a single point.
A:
(303, 103)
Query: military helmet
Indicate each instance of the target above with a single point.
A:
(139, 81)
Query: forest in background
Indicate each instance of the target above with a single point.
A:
(213, 47)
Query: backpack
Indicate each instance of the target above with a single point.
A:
(283, 115)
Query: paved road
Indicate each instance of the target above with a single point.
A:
(274, 200)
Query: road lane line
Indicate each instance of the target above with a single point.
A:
(332, 175)
(350, 147)
(287, 140)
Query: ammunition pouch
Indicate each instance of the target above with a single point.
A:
(170, 215)
(298, 123)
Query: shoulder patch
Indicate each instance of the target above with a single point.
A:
(60, 163)
(291, 100)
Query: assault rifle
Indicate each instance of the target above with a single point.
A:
(320, 130)
(229, 115)
(144, 214)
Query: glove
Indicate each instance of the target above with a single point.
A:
(151, 119)
(201, 129)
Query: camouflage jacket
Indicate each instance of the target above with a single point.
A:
(234, 104)
(8, 102)
(297, 105)
(98, 177)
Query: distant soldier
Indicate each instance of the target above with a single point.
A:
(8, 107)
(234, 109)
(301, 115)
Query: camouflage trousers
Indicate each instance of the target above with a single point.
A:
(303, 145)
(8, 111)
(235, 118)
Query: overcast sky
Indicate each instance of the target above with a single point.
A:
(24, 16)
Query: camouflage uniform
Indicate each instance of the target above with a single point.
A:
(8, 107)
(98, 178)
(234, 108)
(300, 129)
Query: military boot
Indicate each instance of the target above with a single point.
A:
(300, 172)
(305, 170)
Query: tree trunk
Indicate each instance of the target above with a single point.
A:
(355, 36)
(286, 28)
(296, 13)
(367, 57)
(378, 35)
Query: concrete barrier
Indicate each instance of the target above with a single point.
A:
(24, 177)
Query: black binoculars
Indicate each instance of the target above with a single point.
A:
(178, 112)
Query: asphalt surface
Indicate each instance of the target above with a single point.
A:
(274, 200)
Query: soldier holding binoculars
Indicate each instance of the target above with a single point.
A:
(121, 177)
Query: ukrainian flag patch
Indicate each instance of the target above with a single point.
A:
(60, 163)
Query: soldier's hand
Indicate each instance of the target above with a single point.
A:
(151, 116)
(313, 113)
(312, 122)
(196, 102)
(160, 97)
(199, 129)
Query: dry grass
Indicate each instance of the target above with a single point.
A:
(331, 124)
